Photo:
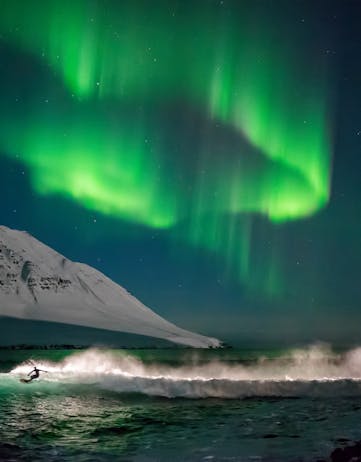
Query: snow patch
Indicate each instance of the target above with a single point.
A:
(38, 283)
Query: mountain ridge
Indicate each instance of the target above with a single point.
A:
(38, 283)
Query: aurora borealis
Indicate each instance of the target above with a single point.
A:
(193, 123)
(238, 77)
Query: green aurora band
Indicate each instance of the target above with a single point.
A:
(238, 70)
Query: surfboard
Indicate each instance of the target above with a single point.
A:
(25, 380)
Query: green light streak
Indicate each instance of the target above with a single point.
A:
(264, 96)
(106, 168)
(230, 67)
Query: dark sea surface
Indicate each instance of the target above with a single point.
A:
(179, 405)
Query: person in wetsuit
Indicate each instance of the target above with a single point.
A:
(35, 373)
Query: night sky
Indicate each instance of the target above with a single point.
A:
(205, 155)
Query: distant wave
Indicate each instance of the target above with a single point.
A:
(314, 371)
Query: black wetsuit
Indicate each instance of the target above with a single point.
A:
(34, 374)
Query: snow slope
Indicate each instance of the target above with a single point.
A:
(36, 282)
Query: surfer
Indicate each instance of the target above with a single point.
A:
(34, 374)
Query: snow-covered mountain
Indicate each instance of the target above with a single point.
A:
(38, 283)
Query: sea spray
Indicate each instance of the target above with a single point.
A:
(312, 371)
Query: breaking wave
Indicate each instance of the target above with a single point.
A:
(314, 371)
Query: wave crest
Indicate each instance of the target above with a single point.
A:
(313, 371)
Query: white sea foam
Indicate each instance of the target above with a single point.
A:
(314, 371)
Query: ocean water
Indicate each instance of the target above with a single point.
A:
(179, 405)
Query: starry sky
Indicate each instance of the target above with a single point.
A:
(205, 155)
